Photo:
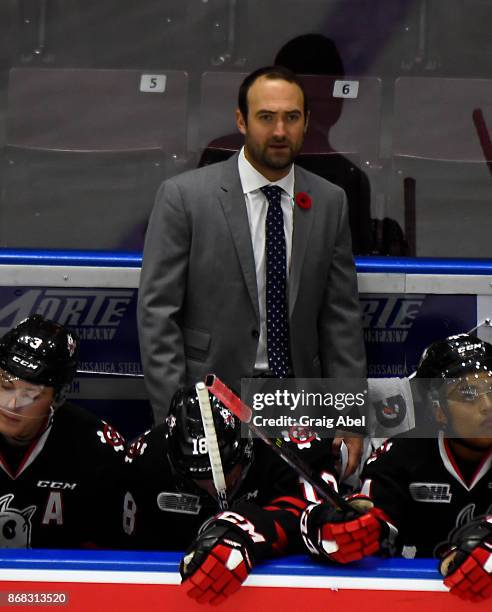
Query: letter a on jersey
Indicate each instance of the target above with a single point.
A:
(54, 509)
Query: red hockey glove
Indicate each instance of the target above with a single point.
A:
(217, 562)
(466, 563)
(343, 536)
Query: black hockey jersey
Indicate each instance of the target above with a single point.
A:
(61, 491)
(423, 489)
(159, 514)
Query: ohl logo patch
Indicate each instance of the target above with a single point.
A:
(433, 492)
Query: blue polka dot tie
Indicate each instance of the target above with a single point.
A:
(276, 285)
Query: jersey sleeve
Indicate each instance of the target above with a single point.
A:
(104, 490)
(279, 518)
(139, 476)
(385, 480)
(272, 528)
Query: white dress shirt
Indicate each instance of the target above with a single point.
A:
(257, 206)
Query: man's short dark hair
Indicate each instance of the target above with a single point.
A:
(269, 72)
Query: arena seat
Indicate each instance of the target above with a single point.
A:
(8, 44)
(110, 33)
(341, 144)
(364, 32)
(458, 35)
(443, 162)
(347, 126)
(86, 151)
(8, 31)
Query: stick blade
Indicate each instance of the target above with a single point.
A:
(228, 398)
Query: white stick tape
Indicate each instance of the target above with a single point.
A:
(212, 444)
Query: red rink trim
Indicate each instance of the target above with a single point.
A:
(152, 597)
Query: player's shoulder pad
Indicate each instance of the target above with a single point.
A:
(110, 437)
(393, 449)
(76, 428)
(148, 450)
(138, 447)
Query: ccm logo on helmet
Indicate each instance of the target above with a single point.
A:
(23, 362)
(469, 347)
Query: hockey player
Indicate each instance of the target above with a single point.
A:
(171, 495)
(434, 493)
(57, 462)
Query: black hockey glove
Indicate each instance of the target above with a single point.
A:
(466, 561)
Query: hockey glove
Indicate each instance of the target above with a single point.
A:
(466, 563)
(217, 563)
(343, 536)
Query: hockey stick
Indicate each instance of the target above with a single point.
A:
(212, 445)
(277, 445)
(483, 136)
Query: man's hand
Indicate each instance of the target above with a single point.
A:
(466, 563)
(217, 563)
(354, 444)
(343, 536)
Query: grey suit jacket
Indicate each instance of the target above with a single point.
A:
(198, 302)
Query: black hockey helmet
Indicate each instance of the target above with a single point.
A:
(187, 450)
(40, 351)
(450, 359)
(454, 357)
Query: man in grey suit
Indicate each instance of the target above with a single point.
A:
(202, 304)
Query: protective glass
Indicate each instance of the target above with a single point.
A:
(12, 396)
(471, 388)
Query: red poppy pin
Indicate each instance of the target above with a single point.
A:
(303, 200)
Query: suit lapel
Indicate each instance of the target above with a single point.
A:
(232, 201)
(303, 219)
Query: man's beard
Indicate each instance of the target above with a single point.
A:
(267, 158)
(279, 163)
